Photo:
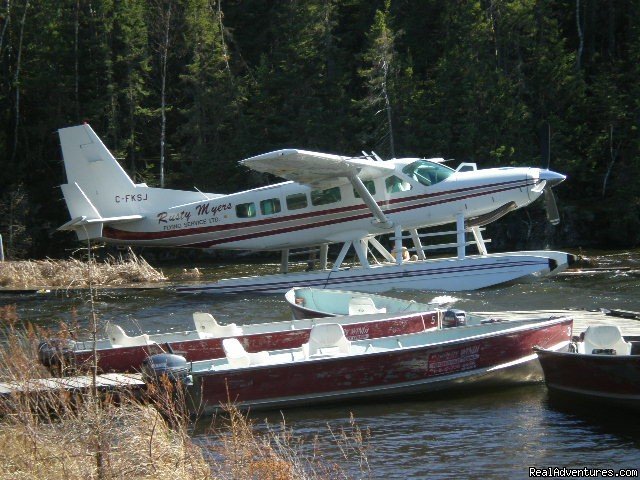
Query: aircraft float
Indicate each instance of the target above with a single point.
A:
(328, 199)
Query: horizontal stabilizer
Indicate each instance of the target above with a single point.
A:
(86, 220)
(79, 222)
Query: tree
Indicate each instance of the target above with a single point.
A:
(379, 73)
(165, 11)
(131, 65)
(14, 214)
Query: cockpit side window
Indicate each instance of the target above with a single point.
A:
(427, 173)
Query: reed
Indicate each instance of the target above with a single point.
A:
(74, 273)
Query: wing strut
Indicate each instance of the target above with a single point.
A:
(381, 218)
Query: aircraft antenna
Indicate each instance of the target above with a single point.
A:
(202, 193)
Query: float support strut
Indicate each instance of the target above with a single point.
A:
(284, 261)
(460, 235)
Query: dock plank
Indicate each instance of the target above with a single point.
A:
(109, 381)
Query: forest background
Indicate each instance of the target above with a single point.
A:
(180, 90)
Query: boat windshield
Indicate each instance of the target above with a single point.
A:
(427, 173)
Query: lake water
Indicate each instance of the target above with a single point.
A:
(488, 434)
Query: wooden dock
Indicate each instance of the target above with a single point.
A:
(581, 319)
(108, 382)
(116, 382)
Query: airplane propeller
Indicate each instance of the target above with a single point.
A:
(549, 180)
(552, 208)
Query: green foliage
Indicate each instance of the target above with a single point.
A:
(479, 80)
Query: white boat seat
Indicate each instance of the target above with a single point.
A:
(208, 327)
(119, 338)
(604, 337)
(363, 305)
(237, 356)
(325, 339)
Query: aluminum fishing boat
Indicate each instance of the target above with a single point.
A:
(309, 302)
(120, 352)
(331, 368)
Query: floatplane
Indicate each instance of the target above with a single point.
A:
(328, 199)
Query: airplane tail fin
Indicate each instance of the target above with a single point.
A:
(95, 184)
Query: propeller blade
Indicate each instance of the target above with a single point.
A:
(552, 208)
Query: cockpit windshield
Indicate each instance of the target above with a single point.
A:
(427, 173)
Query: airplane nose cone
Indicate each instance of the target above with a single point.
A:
(552, 178)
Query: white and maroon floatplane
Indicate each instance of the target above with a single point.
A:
(603, 366)
(330, 199)
(330, 368)
(120, 352)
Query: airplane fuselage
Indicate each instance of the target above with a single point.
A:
(289, 215)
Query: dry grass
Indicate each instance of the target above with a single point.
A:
(75, 273)
(56, 435)
(277, 453)
(134, 442)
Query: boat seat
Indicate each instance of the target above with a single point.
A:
(237, 356)
(119, 338)
(326, 339)
(604, 337)
(363, 305)
(208, 327)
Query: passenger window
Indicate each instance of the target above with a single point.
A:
(395, 184)
(296, 201)
(369, 185)
(246, 210)
(323, 197)
(269, 207)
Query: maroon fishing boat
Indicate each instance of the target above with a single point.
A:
(603, 366)
(120, 352)
(330, 368)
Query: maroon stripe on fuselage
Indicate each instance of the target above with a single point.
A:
(116, 234)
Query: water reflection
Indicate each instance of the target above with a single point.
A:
(494, 434)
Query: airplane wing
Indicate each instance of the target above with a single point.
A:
(318, 170)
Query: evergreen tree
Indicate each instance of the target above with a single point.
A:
(379, 73)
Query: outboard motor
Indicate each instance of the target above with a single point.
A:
(55, 353)
(168, 365)
(454, 318)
